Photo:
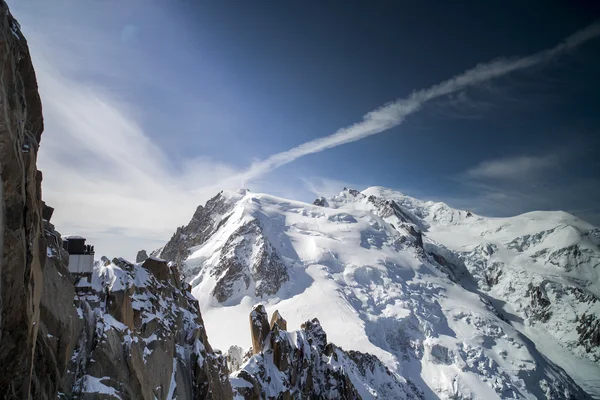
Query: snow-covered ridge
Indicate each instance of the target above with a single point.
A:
(440, 296)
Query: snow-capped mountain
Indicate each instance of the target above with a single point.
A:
(460, 305)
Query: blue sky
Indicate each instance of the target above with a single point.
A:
(153, 106)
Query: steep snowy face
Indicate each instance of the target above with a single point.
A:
(204, 223)
(247, 263)
(365, 265)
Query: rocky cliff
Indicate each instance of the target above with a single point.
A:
(22, 243)
(144, 337)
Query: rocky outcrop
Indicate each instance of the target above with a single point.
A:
(22, 241)
(402, 221)
(321, 202)
(141, 256)
(235, 358)
(259, 327)
(558, 305)
(277, 319)
(308, 367)
(589, 333)
(539, 304)
(148, 339)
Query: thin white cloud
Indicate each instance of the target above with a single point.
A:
(513, 168)
(513, 185)
(393, 114)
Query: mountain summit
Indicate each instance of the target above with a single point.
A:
(459, 304)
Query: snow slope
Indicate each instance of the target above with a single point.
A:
(540, 269)
(389, 275)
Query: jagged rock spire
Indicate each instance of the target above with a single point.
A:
(276, 318)
(141, 256)
(259, 327)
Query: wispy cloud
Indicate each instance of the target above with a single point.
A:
(504, 198)
(394, 113)
(513, 185)
(513, 168)
(104, 173)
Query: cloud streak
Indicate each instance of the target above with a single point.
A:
(394, 113)
(513, 168)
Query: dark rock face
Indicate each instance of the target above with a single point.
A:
(159, 268)
(311, 368)
(248, 257)
(47, 211)
(141, 256)
(60, 327)
(589, 331)
(321, 202)
(22, 242)
(205, 222)
(539, 304)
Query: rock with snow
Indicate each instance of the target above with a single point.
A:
(248, 263)
(205, 221)
(235, 358)
(321, 201)
(146, 339)
(302, 365)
